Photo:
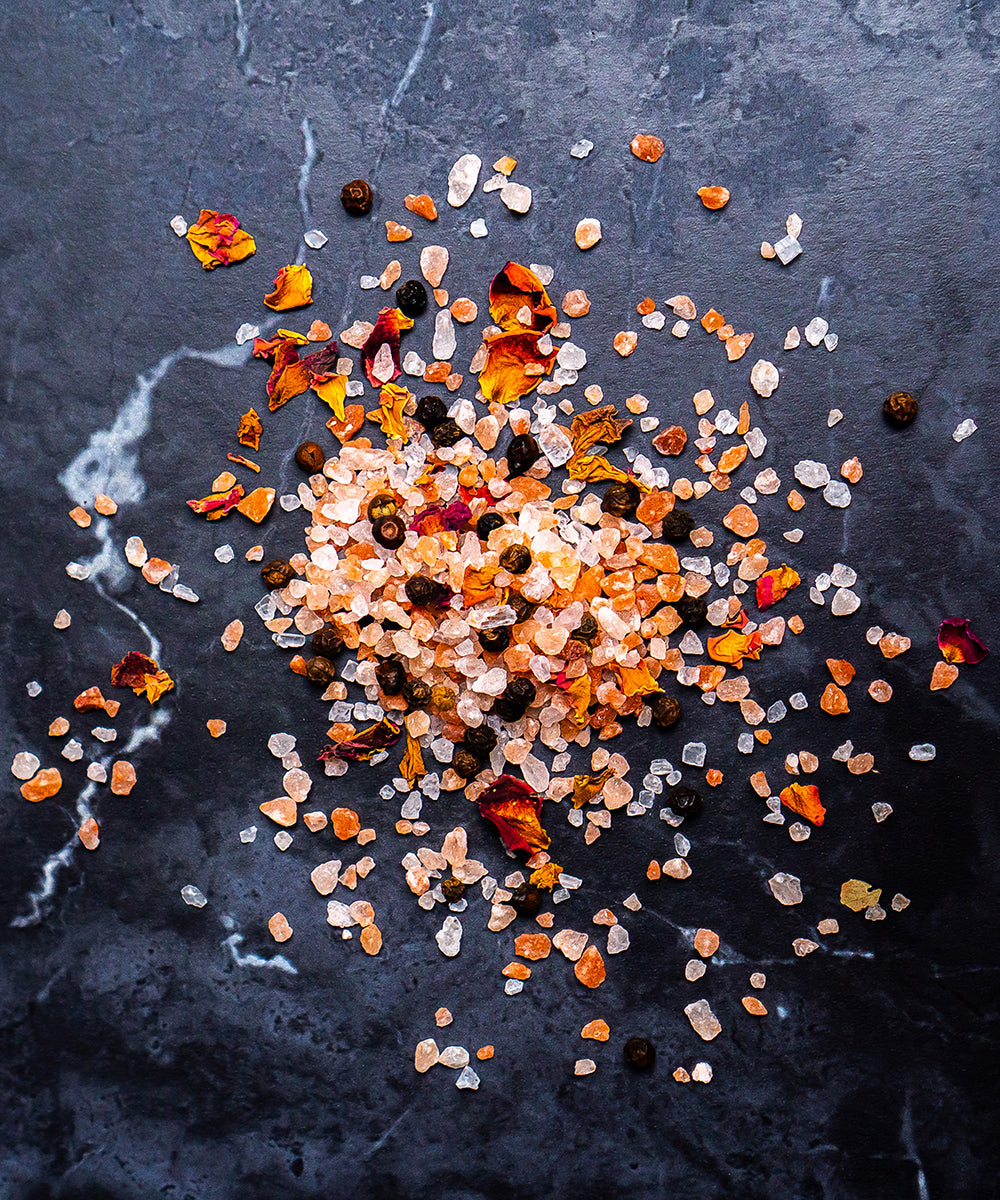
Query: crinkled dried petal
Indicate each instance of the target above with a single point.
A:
(412, 768)
(586, 787)
(957, 642)
(637, 681)
(599, 425)
(379, 736)
(333, 391)
(217, 504)
(133, 669)
(217, 240)
(436, 518)
(389, 414)
(322, 363)
(513, 289)
(580, 691)
(153, 686)
(547, 877)
(592, 468)
(732, 647)
(292, 288)
(804, 800)
(289, 377)
(514, 808)
(774, 585)
(390, 324)
(250, 429)
(504, 379)
(855, 894)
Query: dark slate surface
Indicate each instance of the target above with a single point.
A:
(140, 1056)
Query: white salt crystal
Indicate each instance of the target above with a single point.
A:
(315, 239)
(193, 896)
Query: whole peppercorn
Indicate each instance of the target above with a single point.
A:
(327, 642)
(411, 298)
(666, 710)
(588, 628)
(692, 609)
(420, 590)
(901, 408)
(454, 889)
(382, 505)
(487, 523)
(465, 763)
(522, 607)
(677, 524)
(516, 559)
(621, 500)
(446, 433)
(482, 740)
(310, 456)
(443, 698)
(494, 641)
(685, 801)
(416, 693)
(320, 670)
(640, 1053)
(389, 532)
(526, 899)
(390, 676)
(357, 197)
(516, 699)
(430, 412)
(522, 454)
(277, 572)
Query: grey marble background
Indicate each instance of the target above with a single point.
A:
(146, 1053)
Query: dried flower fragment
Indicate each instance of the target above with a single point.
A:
(856, 895)
(217, 240)
(958, 643)
(804, 800)
(292, 288)
(515, 809)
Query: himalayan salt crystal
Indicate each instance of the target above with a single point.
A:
(731, 459)
(319, 331)
(943, 676)
(590, 968)
(596, 1031)
(92, 699)
(223, 482)
(808, 762)
(433, 264)
(852, 470)
(900, 902)
(586, 235)
(449, 937)
(462, 179)
(759, 783)
(703, 1021)
(828, 926)
(41, 786)
(893, 644)
(443, 1018)
(80, 516)
(653, 870)
(795, 500)
(532, 946)
(604, 916)
(422, 205)
(625, 342)
(703, 401)
(584, 1066)
(315, 821)
(58, 727)
(281, 810)
(758, 979)
(796, 624)
(786, 889)
(425, 1055)
(358, 333)
(576, 303)
(325, 876)
(570, 943)
(464, 310)
(812, 474)
(764, 377)
(647, 146)
(279, 928)
(834, 701)
(516, 196)
(706, 942)
(772, 632)
(731, 690)
(645, 306)
(484, 1053)
(841, 670)
(799, 832)
(654, 506)
(752, 712)
(62, 620)
(860, 764)
(394, 232)
(742, 520)
(618, 939)
(89, 834)
(753, 1006)
(516, 970)
(105, 505)
(345, 823)
(738, 345)
(215, 727)
(501, 916)
(683, 306)
(804, 946)
(792, 338)
(694, 970)
(455, 1057)
(677, 868)
(123, 777)
(232, 634)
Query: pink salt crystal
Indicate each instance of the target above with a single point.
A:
(752, 712)
(893, 644)
(605, 917)
(772, 632)
(576, 303)
(389, 276)
(733, 689)
(808, 761)
(828, 926)
(89, 834)
(279, 928)
(231, 635)
(880, 691)
(677, 868)
(315, 821)
(433, 264)
(683, 307)
(105, 505)
(80, 516)
(426, 1055)
(123, 778)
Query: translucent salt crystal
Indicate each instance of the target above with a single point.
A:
(681, 845)
(844, 602)
(923, 752)
(776, 712)
(701, 565)
(812, 474)
(694, 969)
(756, 441)
(798, 832)
(449, 939)
(792, 338)
(702, 1072)
(703, 1021)
(693, 754)
(72, 751)
(555, 445)
(516, 196)
(966, 429)
(745, 742)
(462, 179)
(413, 364)
(412, 806)
(193, 896)
(843, 576)
(830, 341)
(899, 902)
(581, 148)
(97, 772)
(495, 183)
(571, 356)
(246, 333)
(492, 683)
(290, 502)
(881, 810)
(179, 225)
(787, 249)
(823, 581)
(467, 1079)
(837, 494)
(786, 889)
(618, 939)
(355, 387)
(815, 330)
(248, 835)
(514, 987)
(875, 912)
(104, 734)
(24, 765)
(183, 592)
(443, 345)
(874, 635)
(680, 329)
(478, 228)
(224, 554)
(843, 752)
(169, 581)
(283, 839)
(798, 701)
(660, 766)
(654, 320)
(281, 744)
(315, 239)
(77, 570)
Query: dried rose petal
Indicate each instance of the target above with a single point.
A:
(957, 642)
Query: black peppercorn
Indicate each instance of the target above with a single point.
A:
(310, 456)
(481, 741)
(320, 670)
(390, 676)
(901, 408)
(454, 889)
(277, 572)
(522, 454)
(327, 642)
(487, 523)
(416, 693)
(389, 532)
(640, 1053)
(621, 500)
(446, 433)
(382, 505)
(526, 899)
(676, 525)
(522, 608)
(357, 197)
(516, 699)
(516, 559)
(692, 609)
(666, 710)
(494, 641)
(411, 298)
(588, 628)
(431, 411)
(465, 763)
(685, 801)
(420, 590)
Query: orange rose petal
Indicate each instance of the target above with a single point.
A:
(804, 800)
(292, 288)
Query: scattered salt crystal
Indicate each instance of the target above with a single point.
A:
(315, 239)
(703, 1021)
(584, 1066)
(787, 249)
(246, 333)
(581, 148)
(844, 602)
(368, 282)
(875, 912)
(923, 752)
(881, 810)
(786, 889)
(830, 341)
(77, 570)
(798, 832)
(966, 429)
(793, 338)
(24, 765)
(804, 946)
(183, 592)
(289, 502)
(449, 938)
(837, 494)
(224, 554)
(694, 969)
(462, 179)
(702, 1072)
(179, 225)
(899, 902)
(680, 329)
(812, 474)
(776, 712)
(72, 751)
(745, 742)
(62, 620)
(756, 441)
(815, 330)
(764, 377)
(97, 772)
(545, 273)
(248, 835)
(693, 754)
(478, 228)
(283, 839)
(792, 535)
(798, 701)
(413, 364)
(455, 1057)
(571, 356)
(843, 752)
(193, 896)
(516, 196)
(104, 734)
(618, 939)
(654, 320)
(468, 1079)
(514, 987)
(834, 417)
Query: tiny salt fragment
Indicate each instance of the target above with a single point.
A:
(702, 1072)
(815, 330)
(965, 430)
(703, 1021)
(224, 554)
(449, 937)
(837, 494)
(516, 197)
(248, 835)
(844, 602)
(246, 333)
(462, 179)
(467, 1079)
(899, 902)
(693, 754)
(834, 417)
(787, 249)
(581, 148)
(923, 752)
(786, 889)
(315, 239)
(24, 765)
(478, 228)
(179, 225)
(830, 341)
(97, 772)
(881, 811)
(764, 377)
(193, 896)
(72, 751)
